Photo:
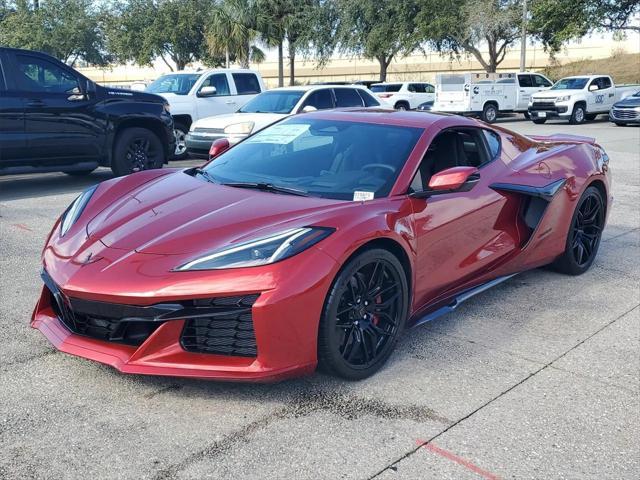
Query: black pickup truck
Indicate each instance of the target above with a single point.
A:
(52, 119)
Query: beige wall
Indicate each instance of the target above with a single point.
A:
(414, 67)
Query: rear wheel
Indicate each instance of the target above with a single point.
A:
(364, 313)
(578, 115)
(538, 121)
(584, 234)
(489, 113)
(401, 106)
(180, 132)
(136, 149)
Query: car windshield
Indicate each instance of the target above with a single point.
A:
(281, 101)
(180, 84)
(577, 83)
(395, 87)
(637, 94)
(341, 160)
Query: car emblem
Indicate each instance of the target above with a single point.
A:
(90, 259)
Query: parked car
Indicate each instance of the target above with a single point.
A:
(52, 118)
(626, 111)
(404, 95)
(269, 107)
(425, 107)
(577, 99)
(487, 94)
(319, 240)
(196, 95)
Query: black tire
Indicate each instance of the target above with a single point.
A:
(527, 116)
(356, 334)
(180, 130)
(591, 116)
(80, 173)
(489, 113)
(578, 115)
(584, 234)
(402, 106)
(538, 121)
(136, 149)
(620, 124)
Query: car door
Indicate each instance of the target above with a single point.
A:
(461, 233)
(222, 100)
(608, 92)
(12, 135)
(247, 86)
(526, 88)
(321, 99)
(347, 97)
(596, 96)
(58, 114)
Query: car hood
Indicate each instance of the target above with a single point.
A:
(629, 101)
(555, 93)
(260, 120)
(181, 214)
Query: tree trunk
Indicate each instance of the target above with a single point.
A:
(280, 65)
(292, 63)
(384, 65)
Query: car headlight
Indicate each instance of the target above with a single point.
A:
(563, 98)
(262, 251)
(239, 128)
(74, 211)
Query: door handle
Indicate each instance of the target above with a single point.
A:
(35, 103)
(230, 102)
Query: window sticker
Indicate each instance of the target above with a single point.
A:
(280, 134)
(359, 196)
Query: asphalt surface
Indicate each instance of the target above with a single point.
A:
(537, 378)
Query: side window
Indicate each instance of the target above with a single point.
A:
(347, 97)
(320, 99)
(493, 142)
(596, 82)
(540, 81)
(417, 88)
(246, 83)
(605, 82)
(525, 81)
(218, 80)
(368, 99)
(429, 88)
(39, 75)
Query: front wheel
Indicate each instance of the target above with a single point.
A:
(489, 113)
(584, 234)
(364, 313)
(577, 116)
(401, 106)
(136, 149)
(180, 132)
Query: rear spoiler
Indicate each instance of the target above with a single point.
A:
(563, 138)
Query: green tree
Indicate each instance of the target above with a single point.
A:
(376, 29)
(70, 30)
(555, 22)
(466, 26)
(173, 30)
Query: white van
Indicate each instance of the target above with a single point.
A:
(487, 94)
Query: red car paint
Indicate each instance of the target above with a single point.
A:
(136, 230)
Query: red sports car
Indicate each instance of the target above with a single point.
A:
(316, 241)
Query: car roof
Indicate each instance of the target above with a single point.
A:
(307, 88)
(212, 70)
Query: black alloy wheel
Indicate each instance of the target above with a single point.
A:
(584, 235)
(137, 149)
(364, 314)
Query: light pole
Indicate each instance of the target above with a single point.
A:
(523, 38)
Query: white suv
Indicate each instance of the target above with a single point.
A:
(195, 95)
(404, 95)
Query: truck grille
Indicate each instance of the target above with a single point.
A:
(625, 114)
(228, 332)
(543, 106)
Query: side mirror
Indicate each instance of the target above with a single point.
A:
(593, 87)
(217, 147)
(207, 92)
(455, 179)
(309, 108)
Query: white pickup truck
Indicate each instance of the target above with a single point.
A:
(195, 95)
(577, 99)
(486, 94)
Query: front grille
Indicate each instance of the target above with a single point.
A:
(208, 130)
(227, 331)
(543, 106)
(625, 114)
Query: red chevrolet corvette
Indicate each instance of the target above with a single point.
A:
(316, 241)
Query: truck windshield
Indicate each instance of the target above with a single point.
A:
(577, 83)
(180, 84)
(281, 101)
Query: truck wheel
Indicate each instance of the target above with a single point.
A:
(401, 106)
(180, 131)
(136, 149)
(590, 116)
(489, 113)
(577, 116)
(538, 121)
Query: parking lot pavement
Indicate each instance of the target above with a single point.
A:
(537, 378)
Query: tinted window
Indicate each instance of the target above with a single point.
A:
(525, 81)
(347, 97)
(246, 83)
(368, 99)
(275, 101)
(218, 80)
(605, 82)
(326, 158)
(540, 81)
(493, 142)
(38, 75)
(417, 88)
(180, 84)
(320, 99)
(392, 87)
(430, 88)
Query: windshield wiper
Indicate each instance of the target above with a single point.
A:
(267, 187)
(205, 174)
